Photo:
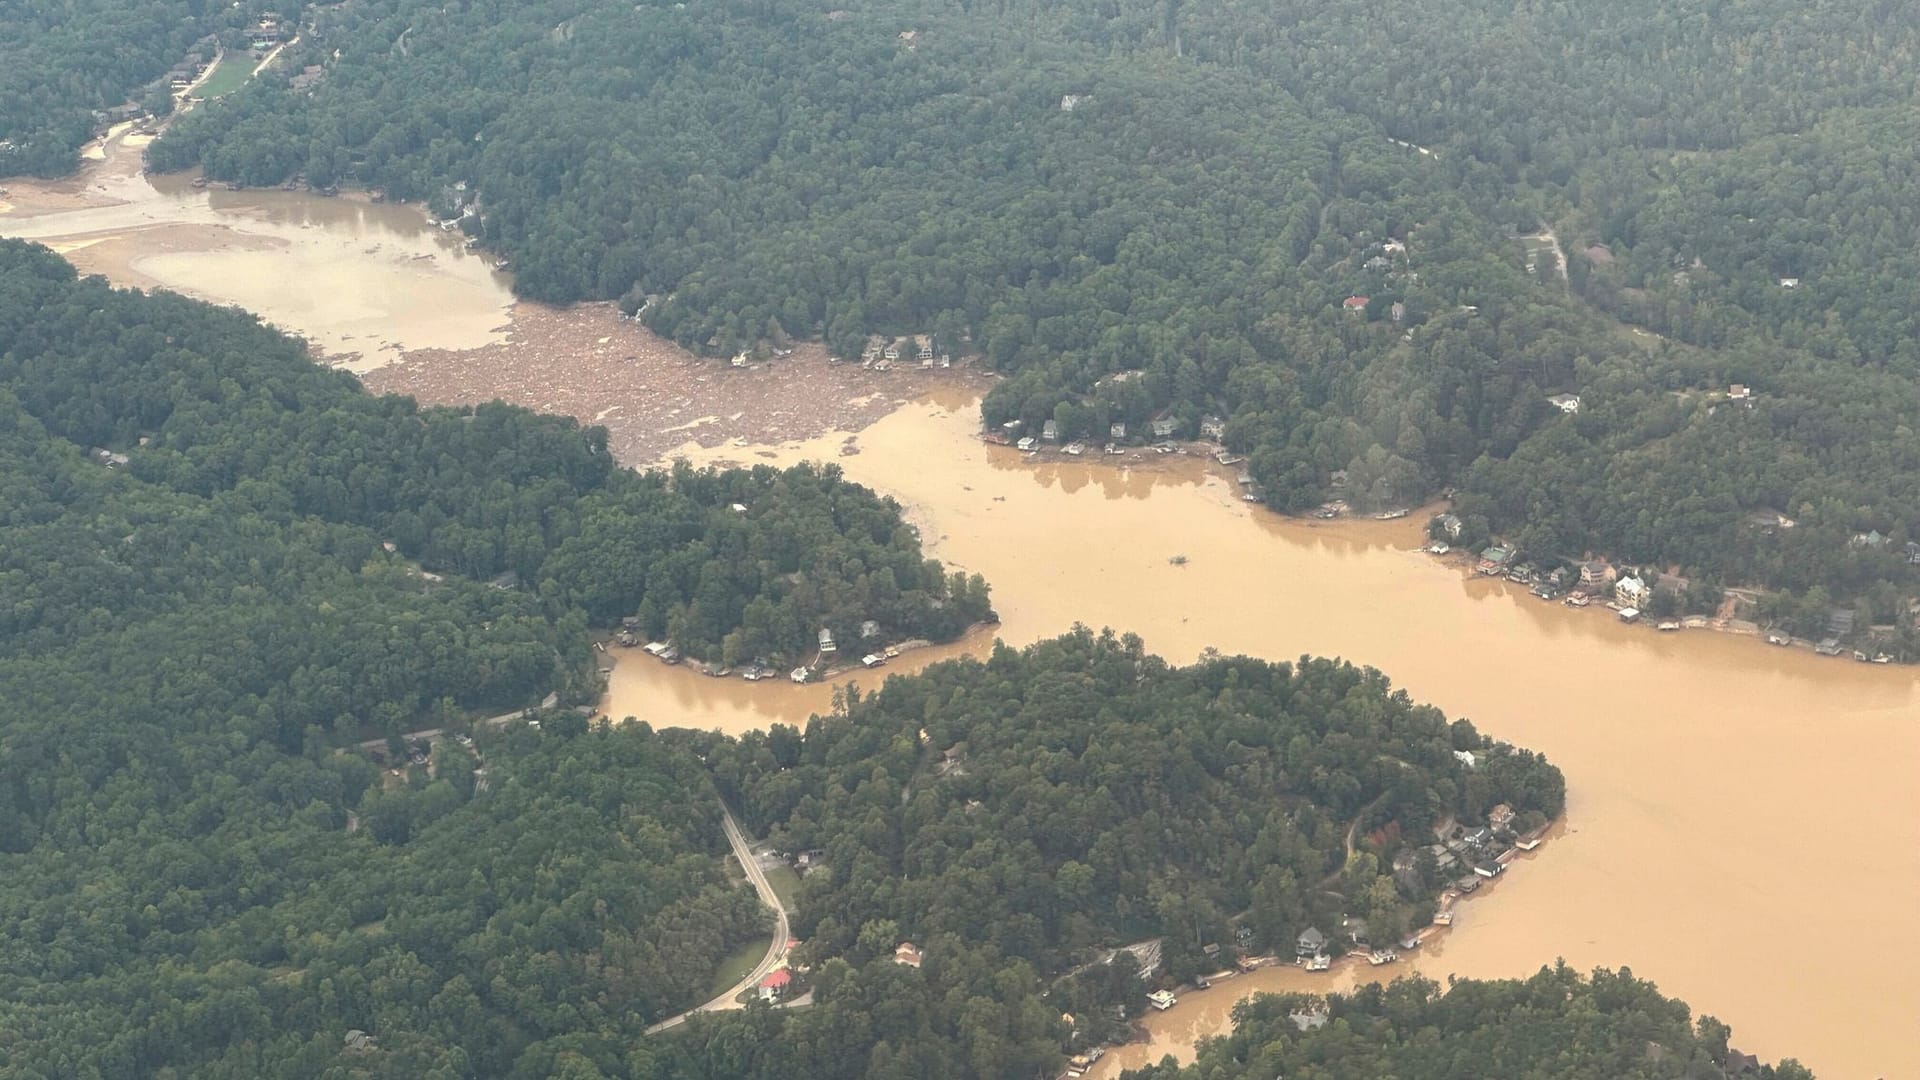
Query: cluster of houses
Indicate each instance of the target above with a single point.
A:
(668, 653)
(1163, 427)
(882, 353)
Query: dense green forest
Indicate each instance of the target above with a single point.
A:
(64, 61)
(219, 562)
(1078, 189)
(1555, 1025)
(1019, 817)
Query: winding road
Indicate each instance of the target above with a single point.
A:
(776, 950)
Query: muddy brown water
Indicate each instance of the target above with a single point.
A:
(361, 280)
(1743, 822)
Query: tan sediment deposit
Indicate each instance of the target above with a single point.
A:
(362, 281)
(653, 396)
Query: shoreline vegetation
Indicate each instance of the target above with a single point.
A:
(1434, 299)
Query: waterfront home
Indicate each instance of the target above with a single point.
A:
(906, 953)
(1050, 431)
(1464, 757)
(869, 629)
(1164, 426)
(1595, 572)
(1117, 430)
(1630, 589)
(799, 674)
(1478, 837)
(1500, 817)
(1829, 647)
(1026, 444)
(1162, 1000)
(1489, 869)
(1212, 427)
(1450, 524)
(1310, 943)
(1494, 559)
(926, 352)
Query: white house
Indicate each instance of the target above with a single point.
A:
(1630, 589)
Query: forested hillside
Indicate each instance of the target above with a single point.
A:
(1017, 818)
(1555, 1025)
(219, 561)
(63, 60)
(1079, 190)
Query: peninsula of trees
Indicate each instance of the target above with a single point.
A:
(1556, 1024)
(1303, 219)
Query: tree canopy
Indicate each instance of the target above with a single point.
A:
(1078, 190)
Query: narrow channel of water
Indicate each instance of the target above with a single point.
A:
(1743, 822)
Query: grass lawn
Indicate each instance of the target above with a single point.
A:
(231, 75)
(738, 963)
(784, 882)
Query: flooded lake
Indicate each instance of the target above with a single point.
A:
(1743, 822)
(358, 279)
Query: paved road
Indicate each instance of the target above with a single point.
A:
(776, 950)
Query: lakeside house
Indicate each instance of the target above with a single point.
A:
(1162, 1000)
(1500, 817)
(1311, 942)
(1163, 425)
(1026, 444)
(1117, 430)
(1050, 431)
(826, 642)
(1630, 590)
(1595, 572)
(1464, 757)
(1212, 427)
(1494, 559)
(1450, 524)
